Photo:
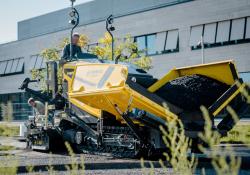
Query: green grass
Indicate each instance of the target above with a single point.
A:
(6, 148)
(9, 130)
(239, 134)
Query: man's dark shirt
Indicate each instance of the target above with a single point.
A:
(75, 49)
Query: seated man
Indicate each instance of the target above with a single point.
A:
(37, 106)
(76, 50)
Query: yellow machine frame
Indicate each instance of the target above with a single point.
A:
(92, 89)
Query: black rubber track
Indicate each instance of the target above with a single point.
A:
(192, 91)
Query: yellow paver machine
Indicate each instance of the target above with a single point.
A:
(130, 105)
(105, 107)
(117, 108)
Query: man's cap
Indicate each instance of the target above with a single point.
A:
(30, 100)
(76, 34)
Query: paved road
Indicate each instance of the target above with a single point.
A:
(95, 164)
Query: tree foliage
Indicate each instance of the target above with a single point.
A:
(126, 49)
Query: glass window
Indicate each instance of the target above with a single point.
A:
(196, 33)
(172, 39)
(151, 44)
(160, 41)
(237, 31)
(248, 28)
(20, 65)
(146, 43)
(8, 68)
(43, 64)
(21, 110)
(223, 31)
(2, 67)
(39, 61)
(141, 42)
(11, 66)
(14, 66)
(32, 62)
(209, 33)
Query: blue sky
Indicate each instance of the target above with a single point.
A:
(12, 11)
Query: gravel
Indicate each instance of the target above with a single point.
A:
(192, 91)
(158, 171)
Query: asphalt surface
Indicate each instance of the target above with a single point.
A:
(191, 91)
(96, 164)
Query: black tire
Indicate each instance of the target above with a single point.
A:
(192, 91)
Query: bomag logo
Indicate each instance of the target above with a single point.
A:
(94, 73)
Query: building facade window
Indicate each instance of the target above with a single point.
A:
(150, 44)
(21, 109)
(209, 33)
(36, 62)
(159, 43)
(195, 36)
(146, 43)
(167, 42)
(172, 41)
(247, 34)
(12, 66)
(221, 33)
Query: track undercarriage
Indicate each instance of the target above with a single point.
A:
(117, 141)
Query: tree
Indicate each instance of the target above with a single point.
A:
(126, 49)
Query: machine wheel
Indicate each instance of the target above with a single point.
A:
(191, 91)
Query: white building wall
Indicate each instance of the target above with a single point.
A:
(181, 17)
